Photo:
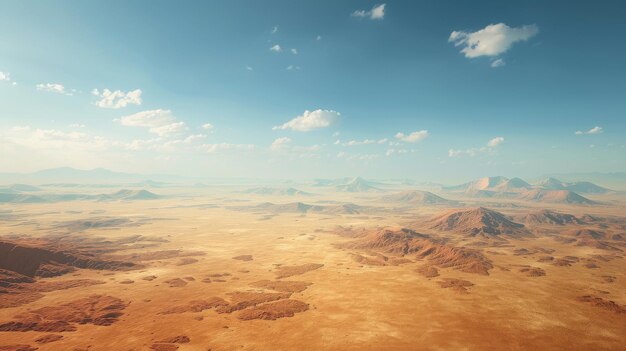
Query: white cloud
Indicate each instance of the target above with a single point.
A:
(376, 13)
(76, 125)
(294, 51)
(318, 38)
(5, 76)
(413, 137)
(248, 68)
(495, 141)
(274, 30)
(53, 88)
(498, 63)
(168, 129)
(489, 149)
(311, 120)
(117, 99)
(280, 143)
(207, 126)
(594, 130)
(493, 40)
(160, 122)
(46, 140)
(213, 148)
(364, 142)
(293, 68)
(276, 48)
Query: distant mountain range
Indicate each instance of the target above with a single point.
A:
(29, 197)
(549, 190)
(417, 197)
(277, 191)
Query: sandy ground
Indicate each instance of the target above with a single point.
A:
(351, 306)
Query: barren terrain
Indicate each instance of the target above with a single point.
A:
(345, 268)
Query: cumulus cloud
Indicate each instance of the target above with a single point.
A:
(207, 126)
(5, 76)
(376, 13)
(276, 48)
(294, 51)
(117, 99)
(493, 40)
(53, 88)
(413, 137)
(311, 120)
(495, 141)
(594, 130)
(160, 122)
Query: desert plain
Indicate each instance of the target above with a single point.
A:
(349, 264)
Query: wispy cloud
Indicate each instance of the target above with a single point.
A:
(294, 51)
(213, 148)
(376, 13)
(276, 48)
(5, 76)
(493, 40)
(117, 99)
(365, 142)
(274, 30)
(53, 88)
(160, 122)
(311, 120)
(280, 143)
(489, 149)
(412, 137)
(594, 130)
(207, 126)
(498, 63)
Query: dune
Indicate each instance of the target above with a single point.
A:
(277, 191)
(37, 259)
(602, 303)
(417, 197)
(555, 196)
(240, 300)
(513, 184)
(582, 187)
(274, 310)
(458, 285)
(408, 242)
(550, 217)
(96, 309)
(478, 221)
(282, 285)
(288, 271)
(357, 185)
(486, 183)
(300, 207)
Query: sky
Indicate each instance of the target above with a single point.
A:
(426, 90)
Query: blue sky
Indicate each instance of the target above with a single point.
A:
(475, 88)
